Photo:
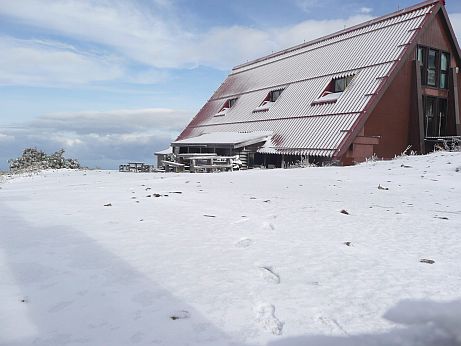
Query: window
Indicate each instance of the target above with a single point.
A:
(444, 66)
(269, 100)
(435, 116)
(432, 67)
(435, 66)
(275, 94)
(421, 57)
(227, 105)
(232, 102)
(341, 84)
(334, 90)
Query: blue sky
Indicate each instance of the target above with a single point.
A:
(116, 80)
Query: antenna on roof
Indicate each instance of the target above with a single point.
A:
(398, 7)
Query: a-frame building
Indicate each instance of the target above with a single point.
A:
(375, 88)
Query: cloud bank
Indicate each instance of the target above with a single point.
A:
(103, 139)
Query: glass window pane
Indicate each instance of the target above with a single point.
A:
(432, 58)
(275, 95)
(430, 122)
(420, 54)
(444, 62)
(443, 81)
(340, 85)
(431, 77)
(348, 80)
(442, 121)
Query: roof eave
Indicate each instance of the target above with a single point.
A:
(452, 33)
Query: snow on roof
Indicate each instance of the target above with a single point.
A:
(167, 151)
(369, 51)
(225, 138)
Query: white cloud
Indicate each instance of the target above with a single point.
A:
(32, 62)
(6, 138)
(308, 5)
(155, 38)
(116, 121)
(366, 10)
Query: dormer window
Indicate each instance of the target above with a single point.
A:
(226, 106)
(334, 90)
(270, 99)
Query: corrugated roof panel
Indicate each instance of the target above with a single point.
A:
(325, 61)
(308, 132)
(416, 14)
(369, 51)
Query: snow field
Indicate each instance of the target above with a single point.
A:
(243, 258)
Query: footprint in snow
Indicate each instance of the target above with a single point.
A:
(137, 337)
(244, 243)
(269, 274)
(242, 220)
(268, 226)
(265, 316)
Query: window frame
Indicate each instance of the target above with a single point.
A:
(438, 121)
(331, 89)
(422, 56)
(444, 72)
(269, 100)
(226, 106)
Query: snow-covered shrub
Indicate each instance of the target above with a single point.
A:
(452, 145)
(33, 159)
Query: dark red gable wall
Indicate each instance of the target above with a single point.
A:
(391, 118)
(395, 116)
(436, 36)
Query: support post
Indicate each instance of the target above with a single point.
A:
(454, 77)
(419, 100)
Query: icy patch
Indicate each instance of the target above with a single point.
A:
(265, 315)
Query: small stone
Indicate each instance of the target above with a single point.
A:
(180, 315)
(108, 205)
(441, 217)
(425, 260)
(344, 211)
(347, 243)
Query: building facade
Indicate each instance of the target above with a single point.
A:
(373, 89)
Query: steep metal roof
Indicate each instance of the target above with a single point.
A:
(369, 51)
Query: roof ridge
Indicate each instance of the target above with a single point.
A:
(342, 32)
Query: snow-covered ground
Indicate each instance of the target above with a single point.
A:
(243, 258)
